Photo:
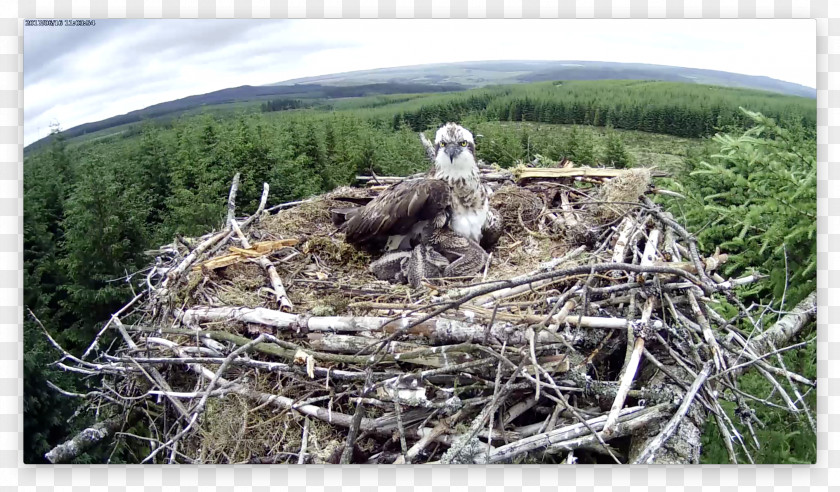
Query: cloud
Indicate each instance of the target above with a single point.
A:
(81, 74)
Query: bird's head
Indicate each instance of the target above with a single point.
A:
(454, 147)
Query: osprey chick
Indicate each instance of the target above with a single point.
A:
(451, 191)
(417, 211)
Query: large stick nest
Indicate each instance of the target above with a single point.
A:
(269, 341)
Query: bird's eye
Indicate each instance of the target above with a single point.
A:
(463, 143)
(442, 145)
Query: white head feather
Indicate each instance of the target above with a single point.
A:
(464, 164)
(453, 132)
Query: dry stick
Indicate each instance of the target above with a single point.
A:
(521, 172)
(564, 434)
(276, 284)
(727, 440)
(200, 406)
(748, 352)
(533, 353)
(114, 316)
(708, 335)
(288, 205)
(442, 426)
(568, 214)
(560, 399)
(625, 426)
(787, 327)
(400, 428)
(577, 415)
(626, 226)
(303, 441)
(631, 336)
(544, 267)
(647, 454)
(427, 146)
(174, 273)
(518, 409)
(442, 330)
(648, 257)
(778, 387)
(499, 396)
(231, 204)
(653, 360)
(153, 374)
(90, 367)
(494, 399)
(723, 419)
(278, 367)
(630, 371)
(347, 453)
(738, 369)
(282, 402)
(691, 240)
(566, 272)
(245, 223)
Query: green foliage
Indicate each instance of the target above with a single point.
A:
(785, 438)
(579, 147)
(95, 203)
(685, 110)
(104, 240)
(500, 145)
(753, 194)
(615, 152)
(756, 200)
(283, 104)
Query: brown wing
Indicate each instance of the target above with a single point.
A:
(492, 229)
(397, 209)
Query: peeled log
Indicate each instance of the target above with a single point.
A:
(787, 327)
(438, 331)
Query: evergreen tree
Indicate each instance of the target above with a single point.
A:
(615, 153)
(105, 239)
(579, 147)
(153, 171)
(757, 198)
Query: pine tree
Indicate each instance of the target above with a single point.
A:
(759, 191)
(153, 171)
(105, 238)
(615, 153)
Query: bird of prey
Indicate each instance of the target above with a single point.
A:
(446, 213)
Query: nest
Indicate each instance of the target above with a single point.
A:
(269, 341)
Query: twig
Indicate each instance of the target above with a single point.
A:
(95, 342)
(277, 285)
(303, 441)
(200, 406)
(564, 434)
(647, 454)
(347, 453)
(629, 373)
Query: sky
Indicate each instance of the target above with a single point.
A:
(76, 75)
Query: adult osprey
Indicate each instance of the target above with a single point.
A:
(449, 205)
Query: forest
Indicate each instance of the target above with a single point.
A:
(744, 161)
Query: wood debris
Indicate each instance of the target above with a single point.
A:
(591, 339)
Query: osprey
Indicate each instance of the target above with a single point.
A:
(448, 211)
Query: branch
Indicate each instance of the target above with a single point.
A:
(88, 438)
(647, 454)
(787, 327)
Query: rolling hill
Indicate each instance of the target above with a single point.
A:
(480, 73)
(437, 78)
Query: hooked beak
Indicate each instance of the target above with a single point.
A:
(452, 150)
